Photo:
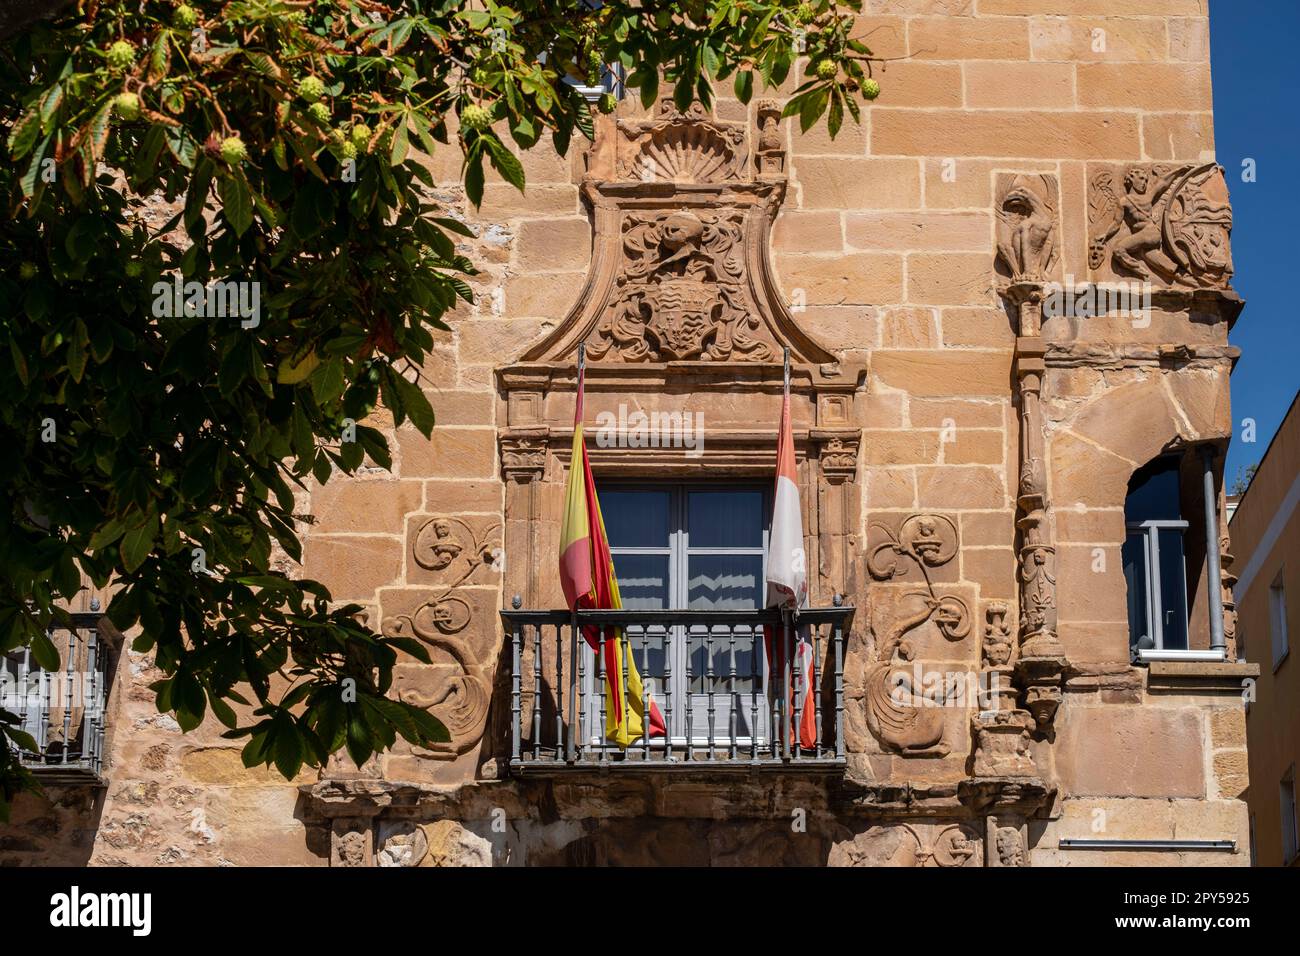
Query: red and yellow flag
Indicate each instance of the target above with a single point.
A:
(587, 577)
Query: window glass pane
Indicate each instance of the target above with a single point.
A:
(635, 518)
(724, 582)
(1135, 573)
(726, 518)
(1173, 590)
(1154, 493)
(642, 581)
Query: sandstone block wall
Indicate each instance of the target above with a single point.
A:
(885, 252)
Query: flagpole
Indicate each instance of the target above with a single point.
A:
(786, 375)
(574, 728)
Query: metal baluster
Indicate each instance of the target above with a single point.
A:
(44, 739)
(690, 702)
(816, 685)
(787, 643)
(624, 655)
(516, 692)
(776, 670)
(753, 695)
(800, 696)
(67, 693)
(24, 676)
(537, 692)
(580, 723)
(731, 690)
(839, 690)
(560, 748)
(668, 695)
(646, 696)
(90, 719)
(604, 698)
(708, 682)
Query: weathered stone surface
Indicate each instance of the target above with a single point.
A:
(1149, 752)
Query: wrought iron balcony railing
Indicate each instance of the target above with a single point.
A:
(709, 673)
(62, 710)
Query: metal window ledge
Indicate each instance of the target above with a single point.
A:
(1219, 846)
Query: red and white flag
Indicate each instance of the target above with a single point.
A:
(787, 584)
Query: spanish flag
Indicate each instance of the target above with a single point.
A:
(587, 577)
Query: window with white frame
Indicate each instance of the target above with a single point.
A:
(1155, 565)
(1290, 848)
(680, 546)
(1277, 619)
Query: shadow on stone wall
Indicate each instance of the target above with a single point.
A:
(53, 828)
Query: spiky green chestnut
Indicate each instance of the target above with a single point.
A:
(127, 106)
(121, 55)
(233, 150)
(311, 88)
(475, 117)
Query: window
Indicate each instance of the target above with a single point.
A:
(1154, 561)
(1290, 849)
(695, 547)
(1277, 619)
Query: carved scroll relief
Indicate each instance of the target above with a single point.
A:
(456, 552)
(880, 689)
(1167, 224)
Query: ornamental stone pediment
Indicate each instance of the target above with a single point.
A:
(682, 207)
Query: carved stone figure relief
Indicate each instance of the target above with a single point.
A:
(1167, 224)
(911, 844)
(351, 843)
(1027, 248)
(879, 690)
(457, 550)
(401, 844)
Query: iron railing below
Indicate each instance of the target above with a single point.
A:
(62, 710)
(708, 671)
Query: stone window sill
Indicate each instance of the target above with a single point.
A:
(1192, 676)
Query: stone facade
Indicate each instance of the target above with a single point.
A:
(963, 447)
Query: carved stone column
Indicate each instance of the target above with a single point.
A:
(1027, 256)
(1042, 658)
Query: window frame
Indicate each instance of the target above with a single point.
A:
(1279, 636)
(1288, 818)
(1153, 599)
(679, 551)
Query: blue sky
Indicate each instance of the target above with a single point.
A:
(1256, 75)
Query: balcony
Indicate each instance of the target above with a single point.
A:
(62, 710)
(708, 673)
